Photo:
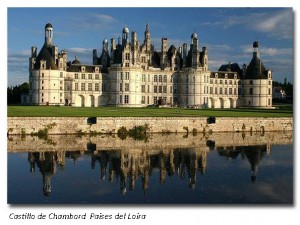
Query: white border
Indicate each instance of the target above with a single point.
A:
(160, 214)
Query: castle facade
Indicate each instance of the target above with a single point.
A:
(128, 73)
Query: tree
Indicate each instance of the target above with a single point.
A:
(14, 93)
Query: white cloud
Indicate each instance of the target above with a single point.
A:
(277, 24)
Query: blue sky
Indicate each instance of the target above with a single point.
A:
(228, 33)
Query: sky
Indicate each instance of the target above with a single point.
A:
(228, 33)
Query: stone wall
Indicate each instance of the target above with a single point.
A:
(79, 125)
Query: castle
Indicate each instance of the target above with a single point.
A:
(133, 74)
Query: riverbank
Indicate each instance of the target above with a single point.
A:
(42, 126)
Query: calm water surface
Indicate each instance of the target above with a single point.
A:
(170, 169)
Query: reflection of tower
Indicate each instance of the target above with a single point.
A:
(144, 169)
(45, 161)
(125, 165)
(162, 168)
(103, 161)
(192, 167)
(254, 154)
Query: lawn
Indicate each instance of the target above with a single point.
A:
(54, 111)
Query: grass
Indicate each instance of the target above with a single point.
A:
(53, 111)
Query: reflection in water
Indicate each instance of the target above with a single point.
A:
(126, 166)
(133, 165)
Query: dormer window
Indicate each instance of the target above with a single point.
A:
(83, 69)
(226, 76)
(216, 75)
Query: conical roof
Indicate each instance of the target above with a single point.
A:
(45, 54)
(256, 69)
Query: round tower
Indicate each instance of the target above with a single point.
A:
(257, 82)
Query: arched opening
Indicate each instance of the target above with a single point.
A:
(232, 103)
(91, 101)
(221, 103)
(80, 101)
(211, 103)
(101, 100)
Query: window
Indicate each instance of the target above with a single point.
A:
(90, 87)
(42, 74)
(76, 75)
(126, 64)
(251, 91)
(234, 91)
(155, 100)
(121, 99)
(143, 59)
(251, 82)
(126, 75)
(230, 81)
(221, 91)
(269, 101)
(97, 76)
(165, 78)
(221, 81)
(225, 81)
(269, 92)
(127, 56)
(96, 86)
(164, 89)
(90, 76)
(155, 78)
(160, 89)
(148, 100)
(171, 89)
(155, 89)
(149, 78)
(82, 86)
(126, 87)
(143, 100)
(126, 99)
(148, 88)
(83, 76)
(121, 87)
(143, 89)
(61, 74)
(76, 86)
(225, 91)
(216, 90)
(143, 78)
(230, 91)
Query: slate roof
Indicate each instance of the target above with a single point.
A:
(231, 67)
(45, 54)
(256, 69)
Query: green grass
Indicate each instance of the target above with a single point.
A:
(53, 111)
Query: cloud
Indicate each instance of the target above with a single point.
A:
(277, 24)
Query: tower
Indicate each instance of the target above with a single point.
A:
(194, 49)
(257, 82)
(48, 35)
(125, 36)
(147, 40)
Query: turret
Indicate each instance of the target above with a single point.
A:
(125, 36)
(48, 35)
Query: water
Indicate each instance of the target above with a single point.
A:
(231, 168)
